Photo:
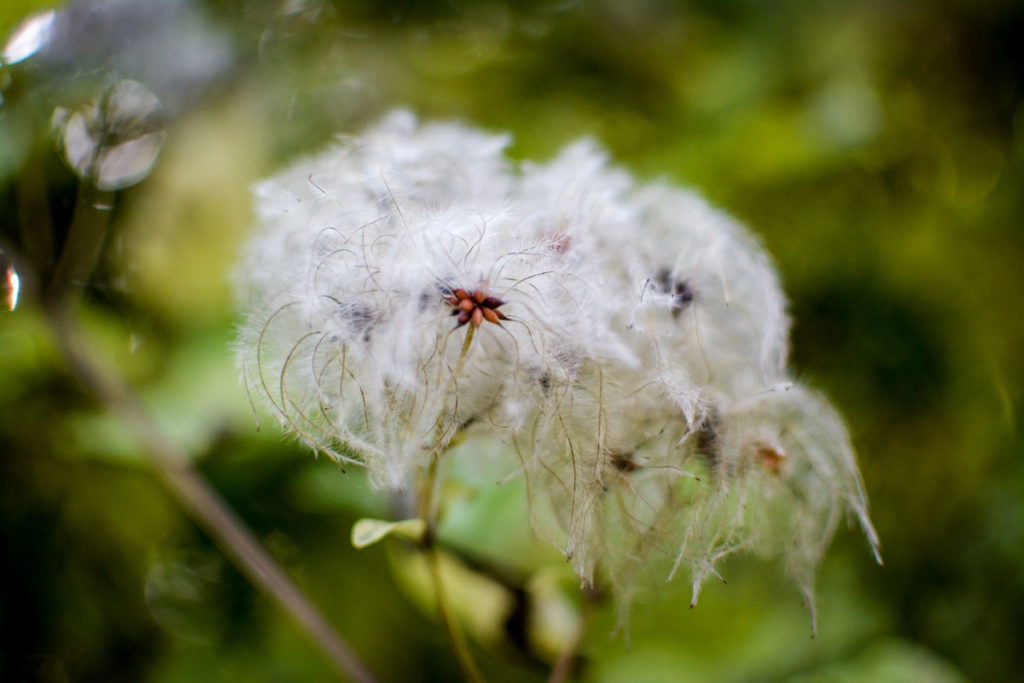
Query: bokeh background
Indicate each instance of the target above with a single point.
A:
(877, 148)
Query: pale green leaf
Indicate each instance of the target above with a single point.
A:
(368, 531)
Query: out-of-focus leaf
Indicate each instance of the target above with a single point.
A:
(479, 602)
(893, 661)
(366, 532)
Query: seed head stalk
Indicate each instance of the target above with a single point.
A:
(428, 545)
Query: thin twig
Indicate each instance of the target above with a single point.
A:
(451, 627)
(81, 251)
(204, 504)
(568, 656)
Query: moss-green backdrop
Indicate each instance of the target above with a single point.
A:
(876, 147)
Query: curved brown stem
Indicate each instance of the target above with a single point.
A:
(451, 627)
(567, 657)
(203, 503)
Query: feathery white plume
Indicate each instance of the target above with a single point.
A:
(627, 342)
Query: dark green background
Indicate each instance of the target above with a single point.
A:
(877, 148)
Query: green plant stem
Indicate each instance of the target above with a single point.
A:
(429, 547)
(567, 657)
(84, 245)
(451, 626)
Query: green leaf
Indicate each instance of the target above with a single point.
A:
(368, 531)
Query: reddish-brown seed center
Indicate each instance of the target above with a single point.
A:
(475, 306)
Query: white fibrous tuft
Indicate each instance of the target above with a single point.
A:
(627, 344)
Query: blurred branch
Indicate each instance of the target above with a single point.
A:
(202, 502)
(87, 234)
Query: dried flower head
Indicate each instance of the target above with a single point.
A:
(362, 255)
(477, 306)
(634, 361)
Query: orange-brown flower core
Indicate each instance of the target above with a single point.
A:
(475, 306)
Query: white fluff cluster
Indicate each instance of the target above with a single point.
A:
(628, 345)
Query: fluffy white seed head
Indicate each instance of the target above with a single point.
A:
(629, 347)
(349, 278)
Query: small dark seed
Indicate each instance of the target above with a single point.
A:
(545, 382)
(623, 462)
(683, 294)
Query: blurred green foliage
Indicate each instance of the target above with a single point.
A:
(877, 148)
